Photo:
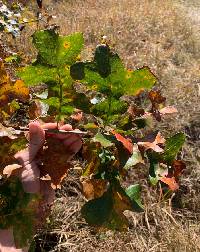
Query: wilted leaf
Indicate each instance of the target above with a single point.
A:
(8, 148)
(156, 97)
(168, 110)
(178, 167)
(4, 77)
(54, 161)
(135, 111)
(10, 91)
(94, 188)
(91, 155)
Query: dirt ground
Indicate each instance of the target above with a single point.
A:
(165, 36)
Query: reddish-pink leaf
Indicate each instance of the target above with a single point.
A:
(154, 145)
(171, 182)
(168, 110)
(127, 143)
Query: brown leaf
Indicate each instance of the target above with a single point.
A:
(156, 97)
(10, 91)
(94, 188)
(54, 159)
(135, 111)
(178, 166)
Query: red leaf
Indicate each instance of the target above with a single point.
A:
(127, 143)
(171, 182)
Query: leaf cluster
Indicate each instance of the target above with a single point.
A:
(117, 107)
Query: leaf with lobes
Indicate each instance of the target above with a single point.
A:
(107, 74)
(56, 50)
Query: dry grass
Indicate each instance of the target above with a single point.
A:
(162, 35)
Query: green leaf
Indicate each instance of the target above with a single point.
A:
(107, 211)
(139, 80)
(52, 101)
(107, 74)
(57, 50)
(135, 158)
(102, 140)
(173, 146)
(102, 60)
(153, 180)
(101, 212)
(67, 110)
(134, 193)
(37, 74)
(97, 211)
(110, 107)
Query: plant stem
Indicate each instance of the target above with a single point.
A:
(109, 100)
(60, 99)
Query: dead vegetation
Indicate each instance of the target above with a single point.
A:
(160, 35)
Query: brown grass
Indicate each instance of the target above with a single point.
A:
(162, 35)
